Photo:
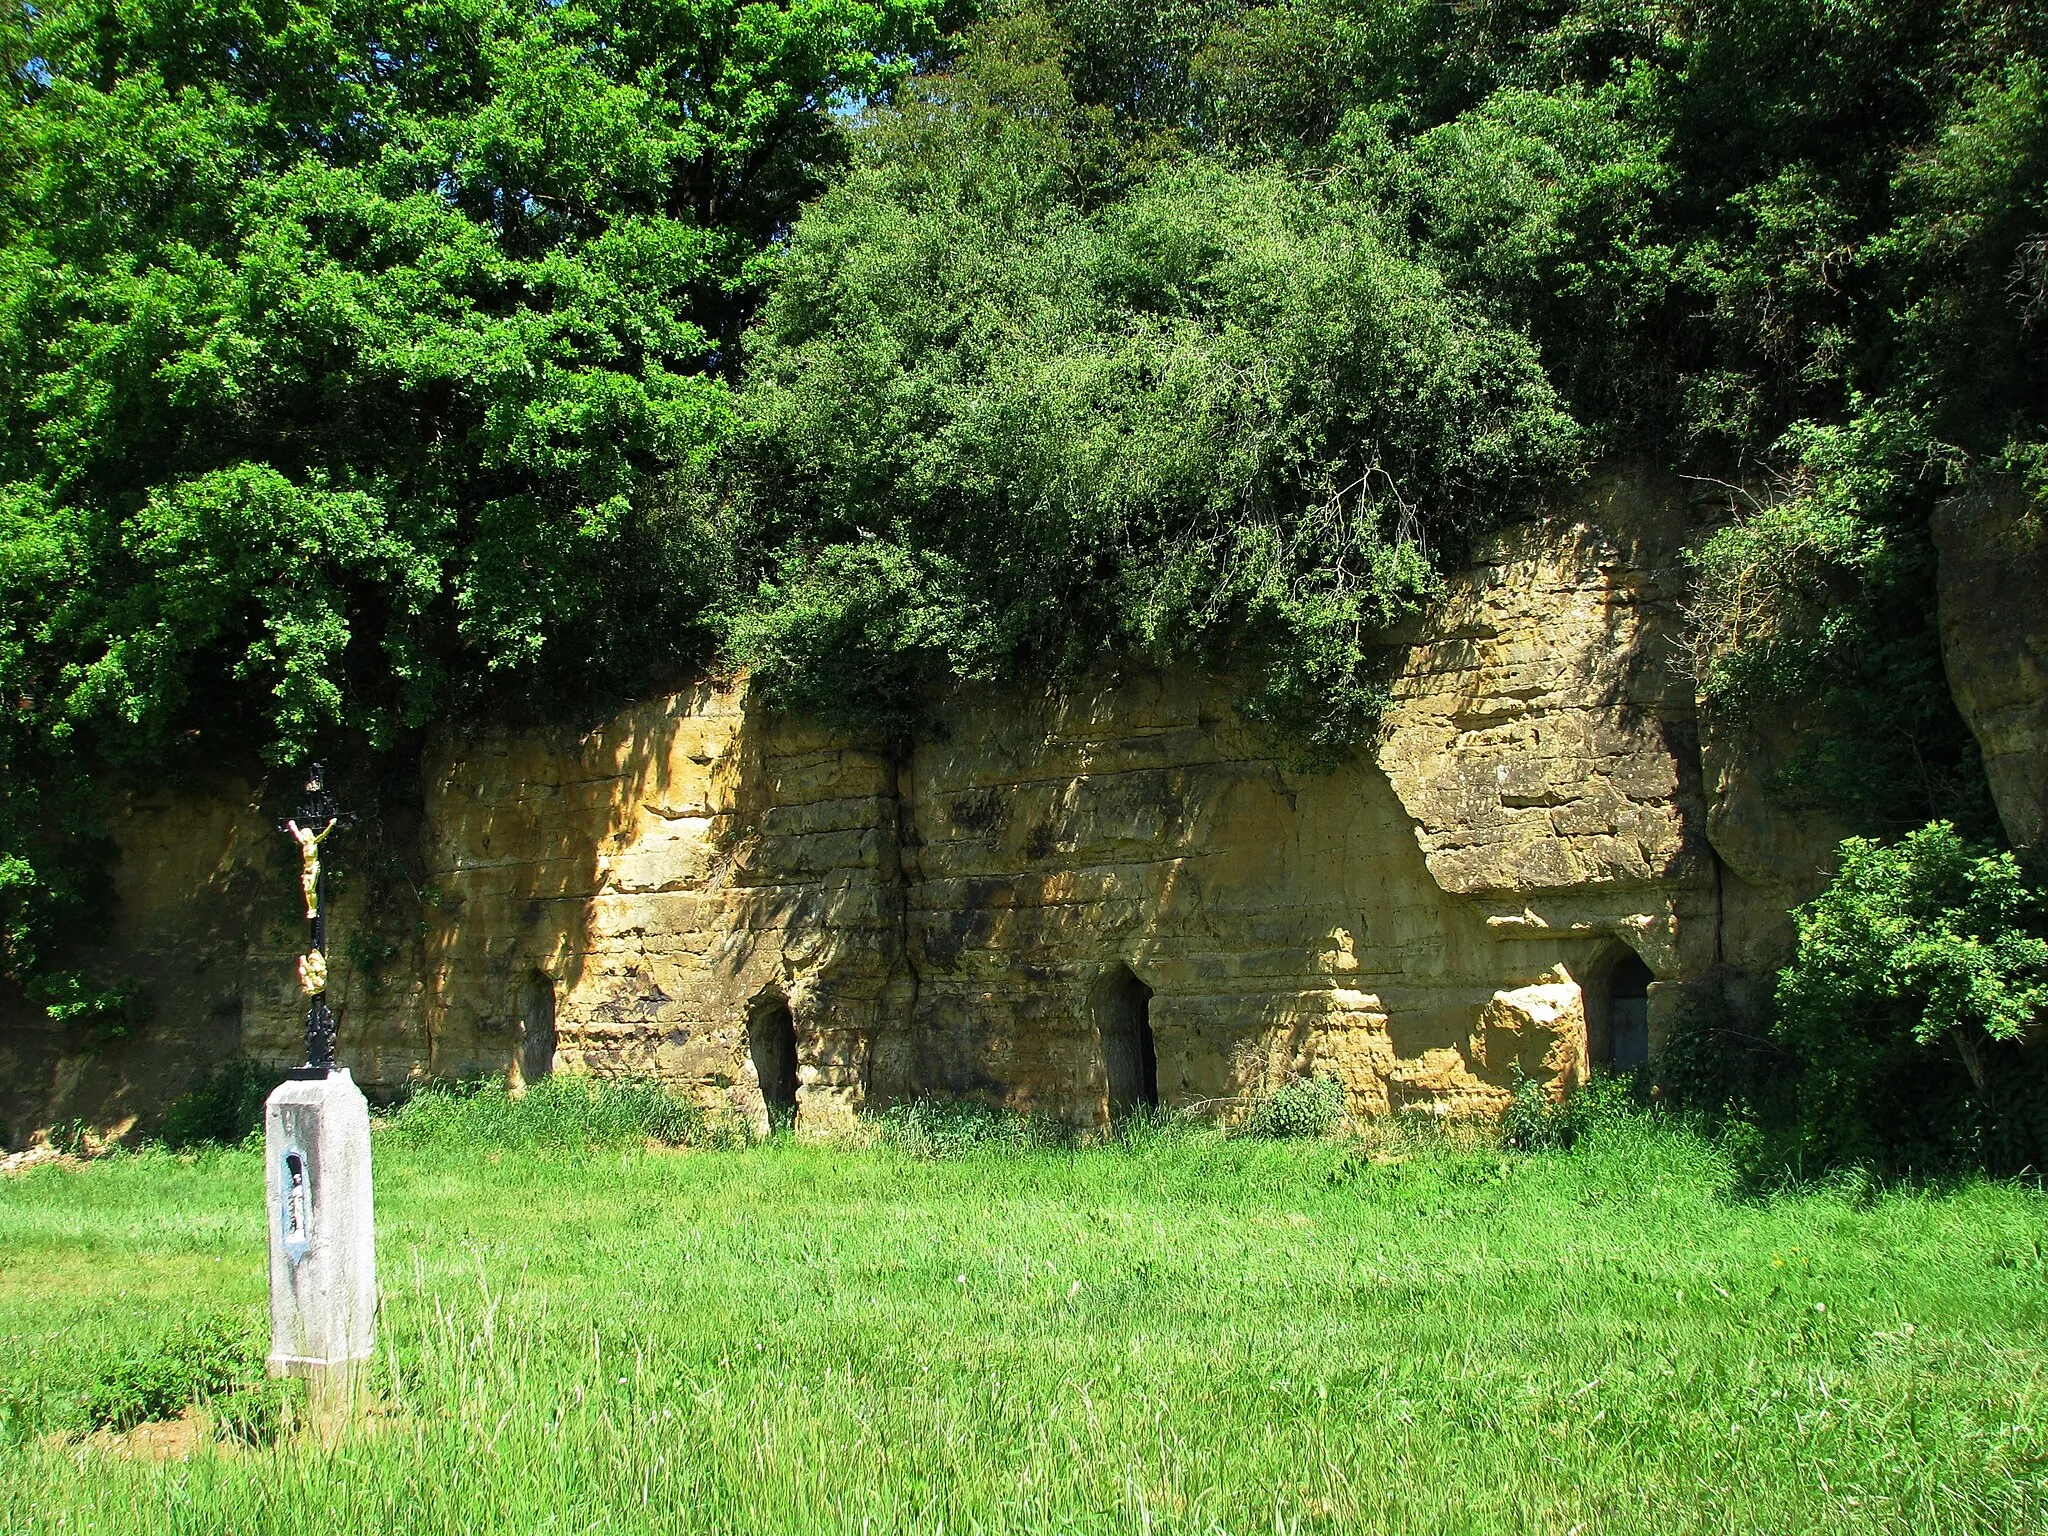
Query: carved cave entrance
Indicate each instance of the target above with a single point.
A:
(1624, 1042)
(536, 1028)
(1129, 1059)
(771, 1045)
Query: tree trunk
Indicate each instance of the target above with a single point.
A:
(1973, 1060)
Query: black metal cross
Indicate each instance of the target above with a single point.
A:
(317, 816)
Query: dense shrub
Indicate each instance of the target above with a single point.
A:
(155, 1369)
(226, 1107)
(1010, 429)
(1720, 1064)
(1914, 1007)
(1906, 1036)
(1536, 1122)
(1819, 597)
(189, 1362)
(1311, 1105)
(1200, 332)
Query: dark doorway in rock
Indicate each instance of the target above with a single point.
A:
(1131, 1062)
(536, 1028)
(1628, 1014)
(771, 1043)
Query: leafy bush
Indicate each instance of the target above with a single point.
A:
(1820, 593)
(1535, 1122)
(224, 1109)
(1301, 1106)
(558, 1114)
(1009, 431)
(1721, 1064)
(198, 1359)
(188, 1363)
(1914, 1006)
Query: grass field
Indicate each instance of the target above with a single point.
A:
(1183, 1333)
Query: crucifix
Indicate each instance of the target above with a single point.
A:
(314, 822)
(316, 1133)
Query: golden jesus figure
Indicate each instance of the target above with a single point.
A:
(309, 843)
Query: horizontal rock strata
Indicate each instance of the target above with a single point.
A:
(1034, 889)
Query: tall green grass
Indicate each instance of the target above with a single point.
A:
(557, 1114)
(981, 1329)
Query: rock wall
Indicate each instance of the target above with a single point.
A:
(960, 917)
(1993, 605)
(202, 922)
(1001, 908)
(647, 885)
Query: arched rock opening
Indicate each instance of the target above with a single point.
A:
(536, 1028)
(1618, 1011)
(1130, 1060)
(771, 1046)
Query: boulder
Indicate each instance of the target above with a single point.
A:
(1539, 1029)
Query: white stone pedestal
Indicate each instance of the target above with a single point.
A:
(323, 1251)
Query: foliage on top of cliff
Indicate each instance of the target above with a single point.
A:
(340, 343)
(993, 423)
(368, 363)
(1117, 304)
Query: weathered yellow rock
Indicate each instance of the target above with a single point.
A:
(1993, 600)
(1536, 1033)
(988, 911)
(1440, 1084)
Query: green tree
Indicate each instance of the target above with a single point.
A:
(1920, 973)
(339, 343)
(1762, 239)
(1026, 395)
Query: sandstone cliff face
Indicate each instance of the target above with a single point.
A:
(650, 884)
(962, 918)
(203, 921)
(1993, 595)
(1034, 890)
